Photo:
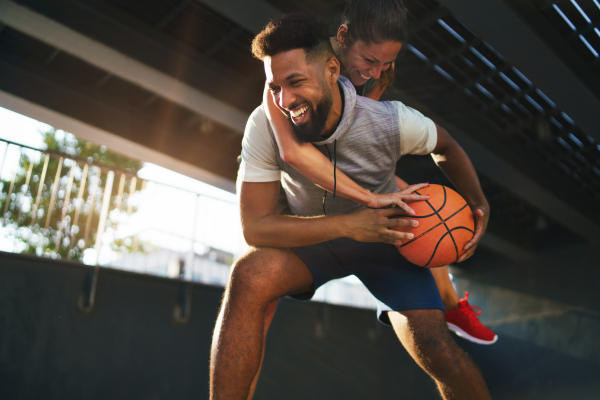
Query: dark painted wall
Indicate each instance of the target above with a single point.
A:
(130, 347)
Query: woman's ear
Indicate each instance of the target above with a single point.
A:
(341, 35)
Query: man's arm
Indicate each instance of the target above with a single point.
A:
(455, 163)
(262, 227)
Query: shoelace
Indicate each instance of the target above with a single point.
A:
(473, 308)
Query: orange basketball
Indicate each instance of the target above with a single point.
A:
(445, 226)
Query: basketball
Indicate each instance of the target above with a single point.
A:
(445, 225)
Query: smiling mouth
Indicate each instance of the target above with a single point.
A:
(363, 76)
(299, 113)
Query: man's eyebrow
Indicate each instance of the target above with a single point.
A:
(294, 75)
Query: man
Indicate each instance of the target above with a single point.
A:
(295, 254)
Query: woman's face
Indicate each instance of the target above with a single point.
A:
(362, 61)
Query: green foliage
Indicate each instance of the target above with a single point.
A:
(51, 229)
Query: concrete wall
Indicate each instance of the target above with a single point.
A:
(130, 347)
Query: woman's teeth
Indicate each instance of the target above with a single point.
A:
(362, 76)
(299, 112)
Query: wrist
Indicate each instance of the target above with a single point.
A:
(366, 197)
(481, 204)
(342, 226)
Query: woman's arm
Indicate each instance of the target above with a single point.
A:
(401, 183)
(313, 164)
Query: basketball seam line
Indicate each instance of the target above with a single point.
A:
(446, 226)
(433, 227)
(442, 238)
(434, 210)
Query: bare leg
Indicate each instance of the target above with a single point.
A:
(269, 314)
(258, 278)
(444, 285)
(426, 338)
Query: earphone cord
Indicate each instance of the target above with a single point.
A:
(334, 174)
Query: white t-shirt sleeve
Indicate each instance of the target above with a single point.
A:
(418, 134)
(259, 163)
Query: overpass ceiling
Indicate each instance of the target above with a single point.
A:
(448, 71)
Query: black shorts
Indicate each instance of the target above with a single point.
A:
(396, 284)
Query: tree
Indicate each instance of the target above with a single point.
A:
(56, 200)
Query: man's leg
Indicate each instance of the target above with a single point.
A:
(258, 278)
(426, 338)
(269, 314)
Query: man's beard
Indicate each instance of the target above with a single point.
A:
(311, 130)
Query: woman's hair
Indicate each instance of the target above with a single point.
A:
(376, 21)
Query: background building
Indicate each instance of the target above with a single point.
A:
(171, 83)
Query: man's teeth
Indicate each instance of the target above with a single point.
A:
(362, 76)
(299, 112)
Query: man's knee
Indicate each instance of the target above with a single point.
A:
(259, 274)
(247, 277)
(426, 332)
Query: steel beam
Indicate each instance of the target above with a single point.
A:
(253, 15)
(50, 32)
(504, 30)
(114, 142)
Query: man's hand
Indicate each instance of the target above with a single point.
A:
(373, 226)
(398, 199)
(481, 214)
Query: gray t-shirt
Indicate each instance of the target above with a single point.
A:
(371, 137)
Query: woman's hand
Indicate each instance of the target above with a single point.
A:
(398, 199)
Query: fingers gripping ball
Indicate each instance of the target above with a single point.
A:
(445, 225)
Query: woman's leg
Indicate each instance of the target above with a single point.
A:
(445, 287)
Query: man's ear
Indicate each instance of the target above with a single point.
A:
(341, 35)
(332, 70)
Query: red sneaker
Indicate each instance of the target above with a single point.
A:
(464, 321)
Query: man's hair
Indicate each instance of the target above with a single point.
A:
(294, 31)
(375, 21)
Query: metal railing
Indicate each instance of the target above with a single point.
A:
(61, 206)
(58, 205)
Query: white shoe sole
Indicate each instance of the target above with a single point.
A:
(470, 338)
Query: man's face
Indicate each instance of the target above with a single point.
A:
(301, 91)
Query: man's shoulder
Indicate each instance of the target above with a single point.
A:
(258, 118)
(377, 107)
(257, 126)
